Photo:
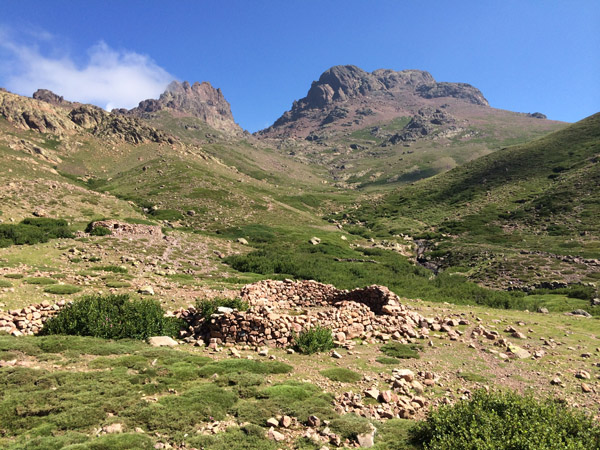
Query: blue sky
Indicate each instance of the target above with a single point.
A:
(524, 55)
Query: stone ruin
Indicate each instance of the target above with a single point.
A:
(28, 320)
(278, 310)
(127, 229)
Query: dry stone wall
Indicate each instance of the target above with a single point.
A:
(280, 309)
(125, 229)
(28, 320)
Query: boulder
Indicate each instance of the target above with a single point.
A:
(162, 341)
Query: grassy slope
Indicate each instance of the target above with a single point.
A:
(540, 196)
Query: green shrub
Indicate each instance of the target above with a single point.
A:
(387, 360)
(62, 289)
(473, 377)
(5, 284)
(341, 374)
(117, 284)
(100, 231)
(349, 426)
(403, 351)
(207, 307)
(317, 339)
(113, 317)
(33, 231)
(503, 421)
(111, 268)
(14, 276)
(39, 280)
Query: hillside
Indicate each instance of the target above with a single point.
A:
(384, 128)
(534, 204)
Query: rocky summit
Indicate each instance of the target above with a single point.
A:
(353, 96)
(199, 100)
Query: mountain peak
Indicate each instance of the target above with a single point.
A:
(196, 100)
(384, 93)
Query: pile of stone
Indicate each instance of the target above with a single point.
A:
(402, 400)
(28, 320)
(127, 229)
(278, 310)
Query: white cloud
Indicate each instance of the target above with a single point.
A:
(108, 78)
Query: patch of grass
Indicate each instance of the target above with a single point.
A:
(316, 339)
(249, 437)
(402, 351)
(14, 276)
(299, 400)
(349, 426)
(228, 366)
(5, 284)
(110, 268)
(473, 377)
(387, 360)
(117, 284)
(505, 421)
(394, 434)
(62, 289)
(39, 280)
(341, 374)
(177, 413)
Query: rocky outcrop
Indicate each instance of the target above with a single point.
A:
(129, 129)
(48, 96)
(427, 123)
(28, 114)
(462, 91)
(352, 91)
(50, 113)
(199, 100)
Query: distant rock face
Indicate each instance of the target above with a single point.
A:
(348, 95)
(50, 113)
(48, 96)
(197, 100)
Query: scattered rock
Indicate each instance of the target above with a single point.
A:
(582, 375)
(314, 240)
(113, 428)
(275, 435)
(146, 290)
(162, 341)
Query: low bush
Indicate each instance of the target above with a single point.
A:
(113, 317)
(503, 421)
(100, 231)
(5, 284)
(113, 269)
(14, 276)
(33, 231)
(62, 289)
(317, 339)
(207, 307)
(349, 426)
(117, 284)
(403, 351)
(387, 360)
(341, 374)
(39, 280)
